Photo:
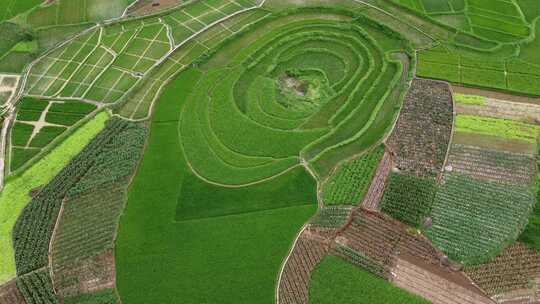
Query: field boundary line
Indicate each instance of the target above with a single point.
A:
(289, 254)
(395, 18)
(51, 241)
(176, 47)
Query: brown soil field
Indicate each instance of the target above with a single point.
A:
(10, 294)
(310, 248)
(88, 275)
(416, 276)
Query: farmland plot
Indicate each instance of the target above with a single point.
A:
(408, 198)
(65, 12)
(81, 249)
(10, 293)
(18, 189)
(37, 288)
(502, 166)
(289, 79)
(336, 281)
(139, 55)
(39, 123)
(513, 271)
(263, 112)
(421, 136)
(34, 227)
(384, 249)
(473, 220)
(308, 251)
(496, 108)
(351, 181)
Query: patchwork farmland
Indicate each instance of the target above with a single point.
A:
(269, 151)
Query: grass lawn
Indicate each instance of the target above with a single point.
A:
(336, 281)
(15, 196)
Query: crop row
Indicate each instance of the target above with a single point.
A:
(473, 220)
(375, 192)
(517, 75)
(501, 166)
(34, 227)
(409, 198)
(362, 261)
(294, 284)
(331, 216)
(421, 136)
(37, 288)
(380, 238)
(512, 270)
(349, 184)
(498, 127)
(105, 296)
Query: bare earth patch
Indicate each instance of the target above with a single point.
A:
(85, 276)
(10, 294)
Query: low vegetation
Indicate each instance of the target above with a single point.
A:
(349, 184)
(16, 193)
(336, 281)
(474, 220)
(408, 198)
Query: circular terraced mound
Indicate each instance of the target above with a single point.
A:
(306, 88)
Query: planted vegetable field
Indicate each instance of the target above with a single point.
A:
(473, 220)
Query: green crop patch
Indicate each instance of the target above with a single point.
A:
(408, 198)
(16, 190)
(21, 133)
(19, 156)
(45, 136)
(350, 182)
(497, 127)
(337, 281)
(220, 201)
(39, 123)
(474, 100)
(474, 220)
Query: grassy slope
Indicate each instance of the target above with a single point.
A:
(15, 194)
(162, 261)
(336, 281)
